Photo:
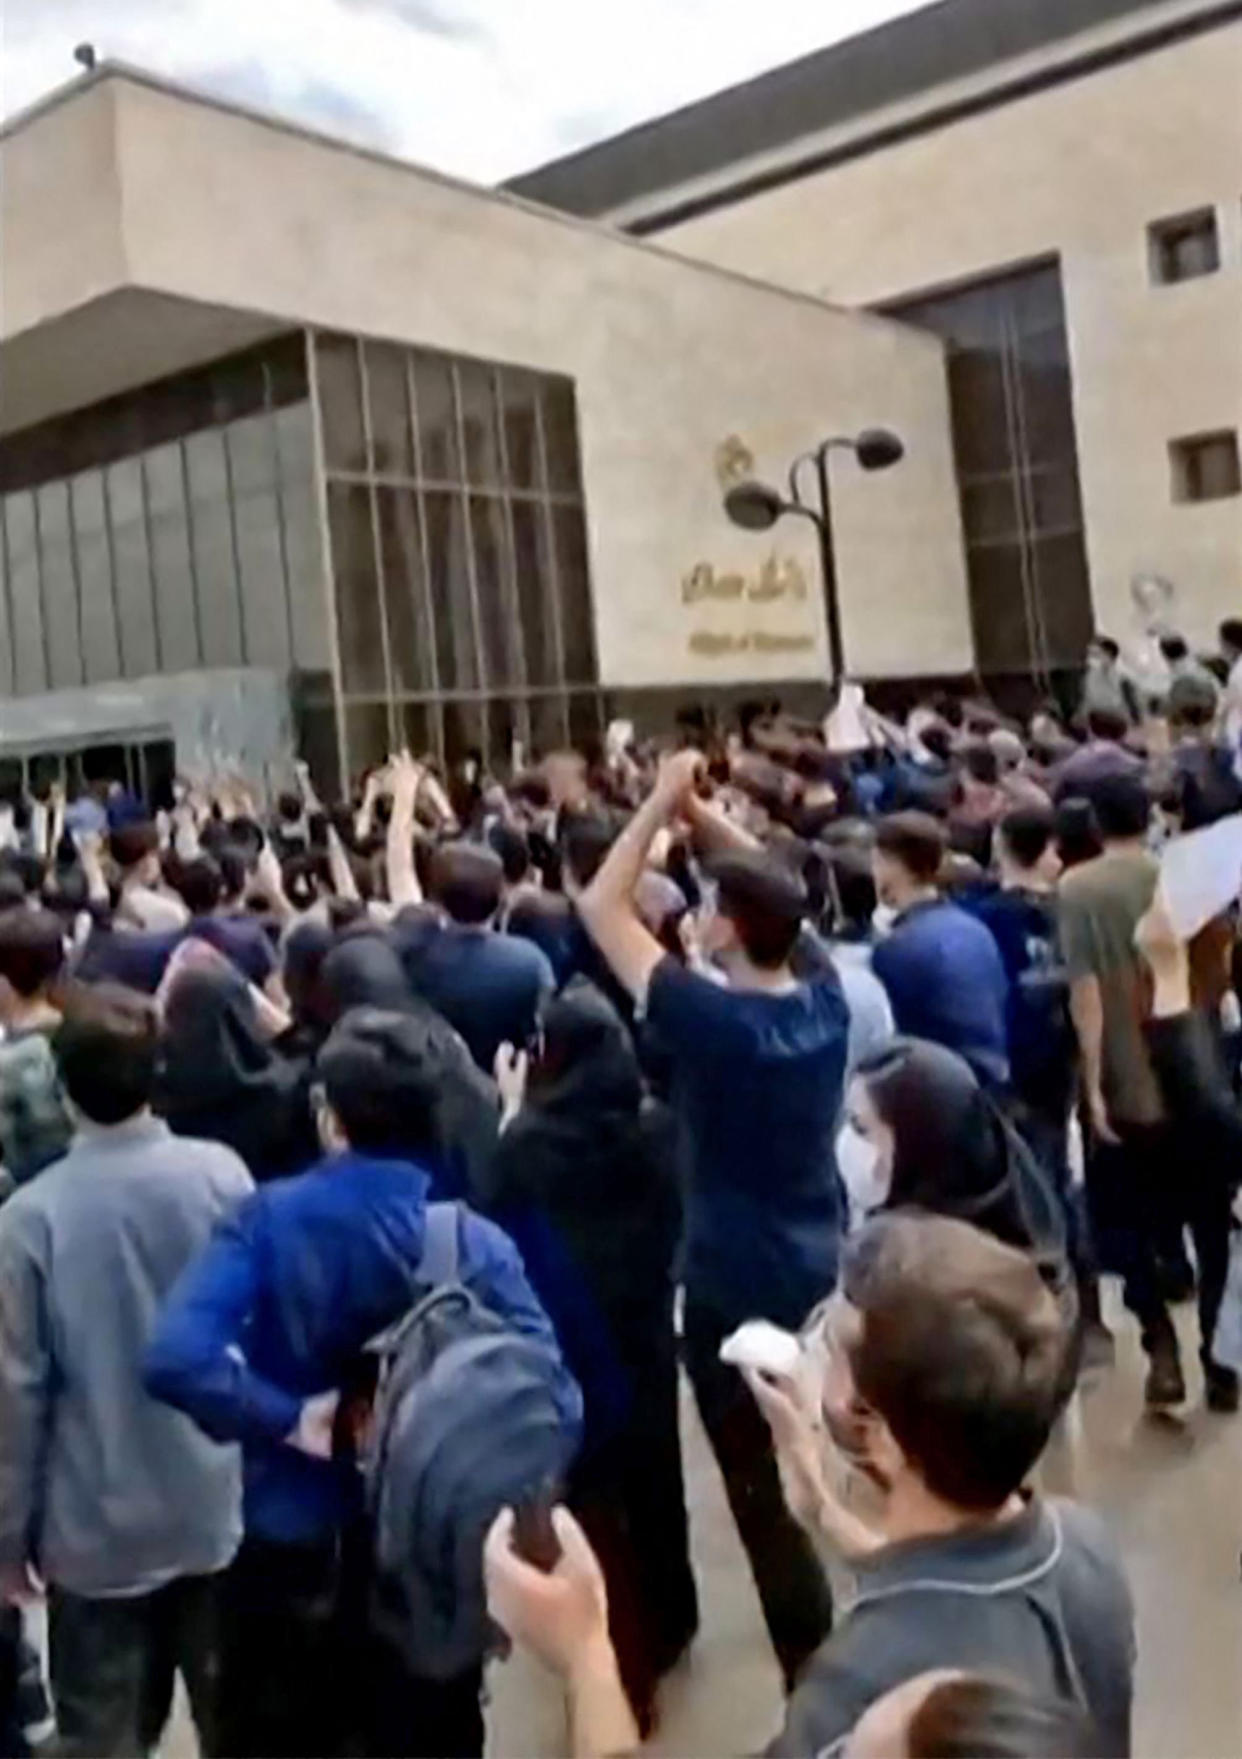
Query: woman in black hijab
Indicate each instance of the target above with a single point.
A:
(584, 1184)
(305, 950)
(920, 1133)
(363, 970)
(221, 1079)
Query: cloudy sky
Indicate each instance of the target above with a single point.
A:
(482, 88)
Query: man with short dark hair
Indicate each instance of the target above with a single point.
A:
(144, 903)
(254, 1345)
(757, 1068)
(1134, 1197)
(488, 984)
(943, 1367)
(1103, 756)
(126, 1511)
(941, 968)
(35, 1126)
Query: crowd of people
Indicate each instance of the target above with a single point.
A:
(370, 1173)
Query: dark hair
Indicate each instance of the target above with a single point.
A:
(585, 840)
(381, 1072)
(130, 844)
(982, 763)
(32, 949)
(1107, 723)
(514, 852)
(1230, 633)
(107, 1048)
(544, 918)
(201, 885)
(764, 901)
(1107, 645)
(962, 1352)
(1192, 702)
(467, 880)
(1122, 806)
(1077, 832)
(853, 884)
(289, 808)
(973, 1716)
(1027, 832)
(938, 739)
(233, 873)
(1174, 648)
(916, 840)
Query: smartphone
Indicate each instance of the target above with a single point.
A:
(534, 1535)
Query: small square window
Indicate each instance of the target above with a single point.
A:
(1205, 467)
(1184, 247)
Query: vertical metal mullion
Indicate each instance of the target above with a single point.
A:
(282, 522)
(319, 472)
(377, 548)
(1009, 392)
(552, 587)
(105, 484)
(144, 500)
(187, 503)
(41, 589)
(75, 564)
(230, 501)
(518, 649)
(1026, 507)
(471, 562)
(420, 511)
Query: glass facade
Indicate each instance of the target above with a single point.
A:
(457, 532)
(1011, 405)
(169, 529)
(401, 533)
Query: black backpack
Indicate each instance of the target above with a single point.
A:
(465, 1423)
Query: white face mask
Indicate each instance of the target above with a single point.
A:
(858, 1161)
(882, 918)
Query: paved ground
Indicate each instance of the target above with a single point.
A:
(1172, 1492)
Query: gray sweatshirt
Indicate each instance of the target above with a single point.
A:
(105, 1491)
(1041, 1599)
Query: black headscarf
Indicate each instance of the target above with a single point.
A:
(954, 1152)
(591, 1167)
(363, 970)
(220, 1079)
(304, 953)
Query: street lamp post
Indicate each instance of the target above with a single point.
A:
(756, 506)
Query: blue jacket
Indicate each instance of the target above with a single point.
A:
(279, 1306)
(946, 982)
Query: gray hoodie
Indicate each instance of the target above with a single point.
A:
(1040, 1598)
(104, 1490)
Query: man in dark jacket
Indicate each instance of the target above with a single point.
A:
(255, 1344)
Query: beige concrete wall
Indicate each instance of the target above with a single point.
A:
(60, 210)
(670, 360)
(1079, 169)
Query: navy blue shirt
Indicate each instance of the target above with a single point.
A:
(138, 958)
(756, 1091)
(1043, 1048)
(945, 981)
(281, 1303)
(490, 986)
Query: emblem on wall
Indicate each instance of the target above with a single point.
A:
(734, 462)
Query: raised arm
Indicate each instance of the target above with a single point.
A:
(403, 886)
(607, 904)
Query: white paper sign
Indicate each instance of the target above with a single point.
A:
(1201, 874)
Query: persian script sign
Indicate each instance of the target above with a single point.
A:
(779, 579)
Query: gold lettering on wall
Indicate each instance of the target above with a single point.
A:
(778, 579)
